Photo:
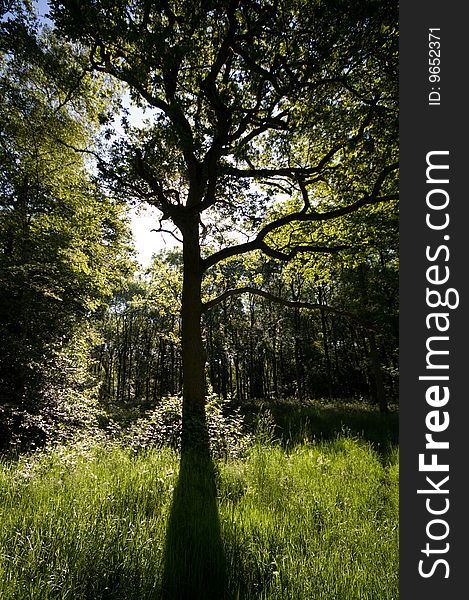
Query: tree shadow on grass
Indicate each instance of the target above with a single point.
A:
(294, 421)
(194, 562)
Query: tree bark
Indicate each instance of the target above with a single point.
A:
(194, 428)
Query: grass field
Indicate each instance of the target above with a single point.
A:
(312, 520)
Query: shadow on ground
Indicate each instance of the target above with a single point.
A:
(194, 567)
(293, 422)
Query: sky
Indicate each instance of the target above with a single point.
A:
(142, 221)
(42, 7)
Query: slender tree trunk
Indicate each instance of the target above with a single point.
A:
(162, 369)
(130, 357)
(325, 341)
(194, 430)
(299, 370)
(172, 377)
(212, 356)
(148, 366)
(252, 374)
(274, 362)
(238, 378)
(281, 370)
(124, 351)
(378, 376)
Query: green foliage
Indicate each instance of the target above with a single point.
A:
(138, 359)
(297, 98)
(319, 347)
(162, 427)
(256, 348)
(63, 244)
(66, 404)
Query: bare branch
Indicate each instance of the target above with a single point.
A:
(161, 229)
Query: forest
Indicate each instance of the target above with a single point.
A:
(221, 424)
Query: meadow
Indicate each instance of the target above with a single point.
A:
(304, 517)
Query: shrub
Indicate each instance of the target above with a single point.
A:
(162, 427)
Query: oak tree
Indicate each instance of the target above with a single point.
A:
(249, 104)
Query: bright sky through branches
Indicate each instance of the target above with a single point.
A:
(142, 221)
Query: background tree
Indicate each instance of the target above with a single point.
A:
(248, 102)
(62, 242)
(139, 359)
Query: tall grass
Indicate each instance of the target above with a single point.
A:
(318, 522)
(313, 521)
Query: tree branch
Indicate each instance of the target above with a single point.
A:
(303, 216)
(287, 256)
(288, 303)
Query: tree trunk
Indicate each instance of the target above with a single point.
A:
(299, 370)
(325, 341)
(378, 376)
(274, 362)
(162, 369)
(194, 429)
